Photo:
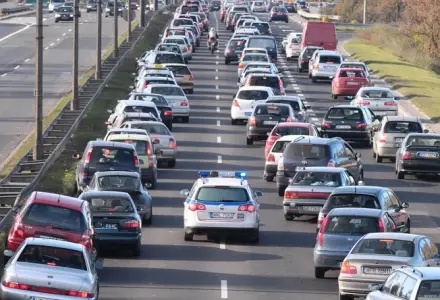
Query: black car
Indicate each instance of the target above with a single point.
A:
(109, 9)
(263, 120)
(305, 56)
(334, 152)
(350, 122)
(64, 13)
(233, 50)
(266, 42)
(279, 13)
(102, 156)
(215, 5)
(116, 221)
(263, 28)
(419, 153)
(291, 7)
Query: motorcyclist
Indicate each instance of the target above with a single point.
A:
(212, 37)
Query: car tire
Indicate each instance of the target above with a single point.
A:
(226, 62)
(280, 190)
(149, 220)
(269, 178)
(171, 163)
(313, 79)
(334, 96)
(56, 21)
(87, 10)
(106, 16)
(234, 122)
(249, 141)
(186, 61)
(345, 297)
(408, 226)
(137, 250)
(299, 70)
(185, 120)
(310, 76)
(319, 273)
(288, 217)
(378, 158)
(374, 153)
(400, 175)
(255, 237)
(170, 126)
(188, 237)
(287, 21)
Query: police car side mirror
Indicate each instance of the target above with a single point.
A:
(258, 193)
(184, 192)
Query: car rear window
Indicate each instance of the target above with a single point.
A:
(344, 114)
(376, 94)
(352, 74)
(429, 290)
(402, 127)
(293, 104)
(329, 59)
(53, 257)
(222, 194)
(138, 118)
(262, 51)
(179, 70)
(353, 66)
(159, 81)
(168, 58)
(254, 57)
(168, 48)
(237, 9)
(424, 141)
(253, 95)
(111, 156)
(389, 247)
(237, 44)
(268, 110)
(291, 130)
(317, 179)
(154, 129)
(261, 42)
(175, 41)
(306, 151)
(269, 81)
(141, 109)
(167, 91)
(57, 217)
(110, 204)
(352, 200)
(351, 225)
(139, 145)
(258, 3)
(118, 182)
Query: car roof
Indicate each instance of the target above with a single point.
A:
(314, 140)
(323, 169)
(355, 211)
(402, 118)
(254, 88)
(380, 88)
(272, 104)
(54, 243)
(288, 137)
(359, 189)
(56, 200)
(127, 130)
(137, 102)
(391, 235)
(287, 98)
(139, 114)
(429, 134)
(163, 85)
(267, 37)
(257, 54)
(353, 62)
(128, 136)
(218, 181)
(110, 144)
(428, 273)
(116, 173)
(345, 106)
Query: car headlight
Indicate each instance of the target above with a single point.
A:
(89, 6)
(107, 9)
(71, 16)
(57, 15)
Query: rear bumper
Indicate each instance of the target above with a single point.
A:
(356, 287)
(16, 294)
(107, 240)
(323, 74)
(295, 207)
(186, 85)
(166, 154)
(361, 136)
(419, 167)
(219, 231)
(258, 133)
(386, 151)
(280, 18)
(329, 260)
(180, 112)
(232, 57)
(346, 91)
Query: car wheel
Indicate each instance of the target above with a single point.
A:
(171, 163)
(269, 178)
(149, 220)
(188, 237)
(185, 120)
(400, 175)
(319, 273)
(191, 91)
(137, 250)
(289, 217)
(345, 297)
(300, 70)
(234, 122)
(56, 21)
(287, 21)
(226, 62)
(255, 237)
(378, 158)
(310, 76)
(249, 141)
(313, 79)
(106, 16)
(170, 126)
(374, 153)
(281, 190)
(186, 61)
(334, 96)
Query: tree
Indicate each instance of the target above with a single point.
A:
(378, 11)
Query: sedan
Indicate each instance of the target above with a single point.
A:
(64, 13)
(279, 13)
(251, 57)
(380, 100)
(347, 82)
(39, 258)
(234, 49)
(297, 104)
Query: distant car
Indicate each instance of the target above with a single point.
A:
(297, 104)
(76, 271)
(273, 81)
(250, 58)
(357, 65)
(259, 6)
(92, 6)
(264, 29)
(215, 5)
(234, 49)
(64, 13)
(305, 56)
(347, 82)
(279, 13)
(109, 9)
(243, 101)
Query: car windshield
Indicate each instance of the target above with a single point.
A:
(352, 114)
(140, 146)
(261, 42)
(111, 156)
(423, 141)
(237, 44)
(271, 110)
(402, 127)
(255, 57)
(376, 94)
(179, 70)
(352, 200)
(167, 91)
(54, 216)
(329, 59)
(141, 109)
(253, 95)
(118, 182)
(317, 179)
(139, 118)
(110, 204)
(389, 247)
(429, 290)
(306, 151)
(251, 72)
(291, 130)
(154, 129)
(354, 66)
(222, 194)
(65, 9)
(351, 225)
(53, 257)
(175, 41)
(180, 22)
(168, 58)
(269, 81)
(351, 74)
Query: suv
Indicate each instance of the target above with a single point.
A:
(273, 81)
(51, 216)
(104, 156)
(325, 65)
(233, 50)
(267, 42)
(319, 152)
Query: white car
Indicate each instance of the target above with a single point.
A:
(326, 65)
(145, 71)
(259, 6)
(221, 201)
(181, 43)
(380, 100)
(250, 58)
(152, 79)
(254, 50)
(293, 47)
(290, 36)
(242, 105)
(131, 106)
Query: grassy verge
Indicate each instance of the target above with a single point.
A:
(28, 142)
(421, 86)
(61, 176)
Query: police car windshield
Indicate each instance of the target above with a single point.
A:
(222, 194)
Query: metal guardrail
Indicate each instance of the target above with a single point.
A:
(43, 166)
(307, 15)
(18, 9)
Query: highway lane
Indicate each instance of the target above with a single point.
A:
(8, 29)
(17, 68)
(281, 266)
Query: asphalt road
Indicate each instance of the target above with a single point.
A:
(281, 266)
(17, 68)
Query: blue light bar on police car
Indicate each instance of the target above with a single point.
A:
(224, 174)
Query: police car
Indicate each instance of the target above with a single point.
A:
(221, 203)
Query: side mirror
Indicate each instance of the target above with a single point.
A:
(99, 265)
(76, 156)
(375, 287)
(405, 205)
(397, 98)
(332, 77)
(147, 185)
(110, 111)
(426, 131)
(307, 107)
(184, 192)
(82, 184)
(358, 155)
(258, 193)
(361, 183)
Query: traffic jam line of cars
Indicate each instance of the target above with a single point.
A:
(53, 247)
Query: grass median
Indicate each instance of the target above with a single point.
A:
(420, 86)
(61, 176)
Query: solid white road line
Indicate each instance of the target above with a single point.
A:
(14, 33)
(16, 67)
(218, 109)
(217, 97)
(26, 60)
(222, 245)
(219, 159)
(218, 123)
(219, 139)
(216, 77)
(64, 34)
(224, 289)
(4, 74)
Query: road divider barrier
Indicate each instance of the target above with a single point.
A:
(18, 9)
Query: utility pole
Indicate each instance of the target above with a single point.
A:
(38, 150)
(98, 42)
(129, 20)
(116, 35)
(365, 12)
(142, 21)
(74, 104)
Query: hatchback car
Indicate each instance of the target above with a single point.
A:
(234, 49)
(244, 77)
(297, 104)
(243, 102)
(251, 57)
(272, 81)
(183, 75)
(389, 134)
(259, 6)
(132, 106)
(380, 100)
(293, 48)
(347, 82)
(305, 56)
(279, 13)
(325, 65)
(340, 231)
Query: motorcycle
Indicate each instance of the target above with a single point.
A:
(212, 44)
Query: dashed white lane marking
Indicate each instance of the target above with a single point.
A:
(300, 95)
(216, 70)
(70, 30)
(64, 34)
(224, 289)
(216, 77)
(218, 109)
(26, 60)
(216, 87)
(216, 62)
(58, 39)
(217, 97)
(51, 45)
(46, 48)
(219, 159)
(4, 74)
(16, 67)
(218, 121)
(217, 57)
(296, 87)
(219, 139)
(222, 245)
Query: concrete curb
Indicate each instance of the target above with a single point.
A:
(22, 14)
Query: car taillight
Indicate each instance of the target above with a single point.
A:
(145, 84)
(185, 49)
(390, 103)
(168, 113)
(228, 50)
(290, 195)
(321, 218)
(235, 103)
(196, 206)
(380, 225)
(269, 30)
(136, 161)
(346, 268)
(280, 166)
(148, 146)
(233, 22)
(271, 158)
(361, 126)
(85, 239)
(132, 224)
(45, 290)
(184, 103)
(326, 125)
(280, 83)
(247, 207)
(406, 156)
(331, 164)
(302, 59)
(18, 230)
(88, 156)
(241, 66)
(84, 174)
(251, 121)
(172, 143)
(191, 77)
(362, 102)
(320, 237)
(382, 141)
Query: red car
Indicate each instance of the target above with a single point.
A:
(289, 128)
(52, 216)
(347, 82)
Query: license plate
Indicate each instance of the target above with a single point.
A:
(311, 208)
(398, 140)
(109, 226)
(397, 145)
(38, 298)
(377, 271)
(380, 113)
(343, 126)
(222, 215)
(427, 154)
(248, 114)
(49, 237)
(353, 83)
(270, 122)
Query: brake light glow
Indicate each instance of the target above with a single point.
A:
(86, 241)
(196, 206)
(185, 49)
(320, 237)
(361, 126)
(390, 103)
(382, 140)
(45, 290)
(172, 143)
(251, 121)
(184, 103)
(247, 207)
(326, 125)
(290, 195)
(406, 156)
(346, 268)
(191, 77)
(148, 148)
(380, 225)
(271, 158)
(228, 50)
(88, 156)
(362, 102)
(241, 66)
(168, 113)
(136, 161)
(302, 59)
(235, 103)
(18, 230)
(132, 224)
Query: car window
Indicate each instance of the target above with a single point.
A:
(349, 151)
(154, 129)
(329, 59)
(268, 81)
(261, 42)
(397, 284)
(395, 203)
(168, 48)
(351, 225)
(174, 41)
(111, 156)
(110, 204)
(339, 113)
(425, 249)
(252, 57)
(141, 109)
(167, 91)
(317, 179)
(376, 94)
(389, 282)
(271, 110)
(352, 200)
(168, 58)
(253, 95)
(431, 141)
(386, 199)
(222, 193)
(351, 74)
(118, 182)
(53, 257)
(402, 127)
(291, 130)
(306, 151)
(65, 10)
(55, 216)
(389, 247)
(429, 289)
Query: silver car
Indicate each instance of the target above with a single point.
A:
(42, 266)
(380, 100)
(165, 145)
(250, 58)
(376, 255)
